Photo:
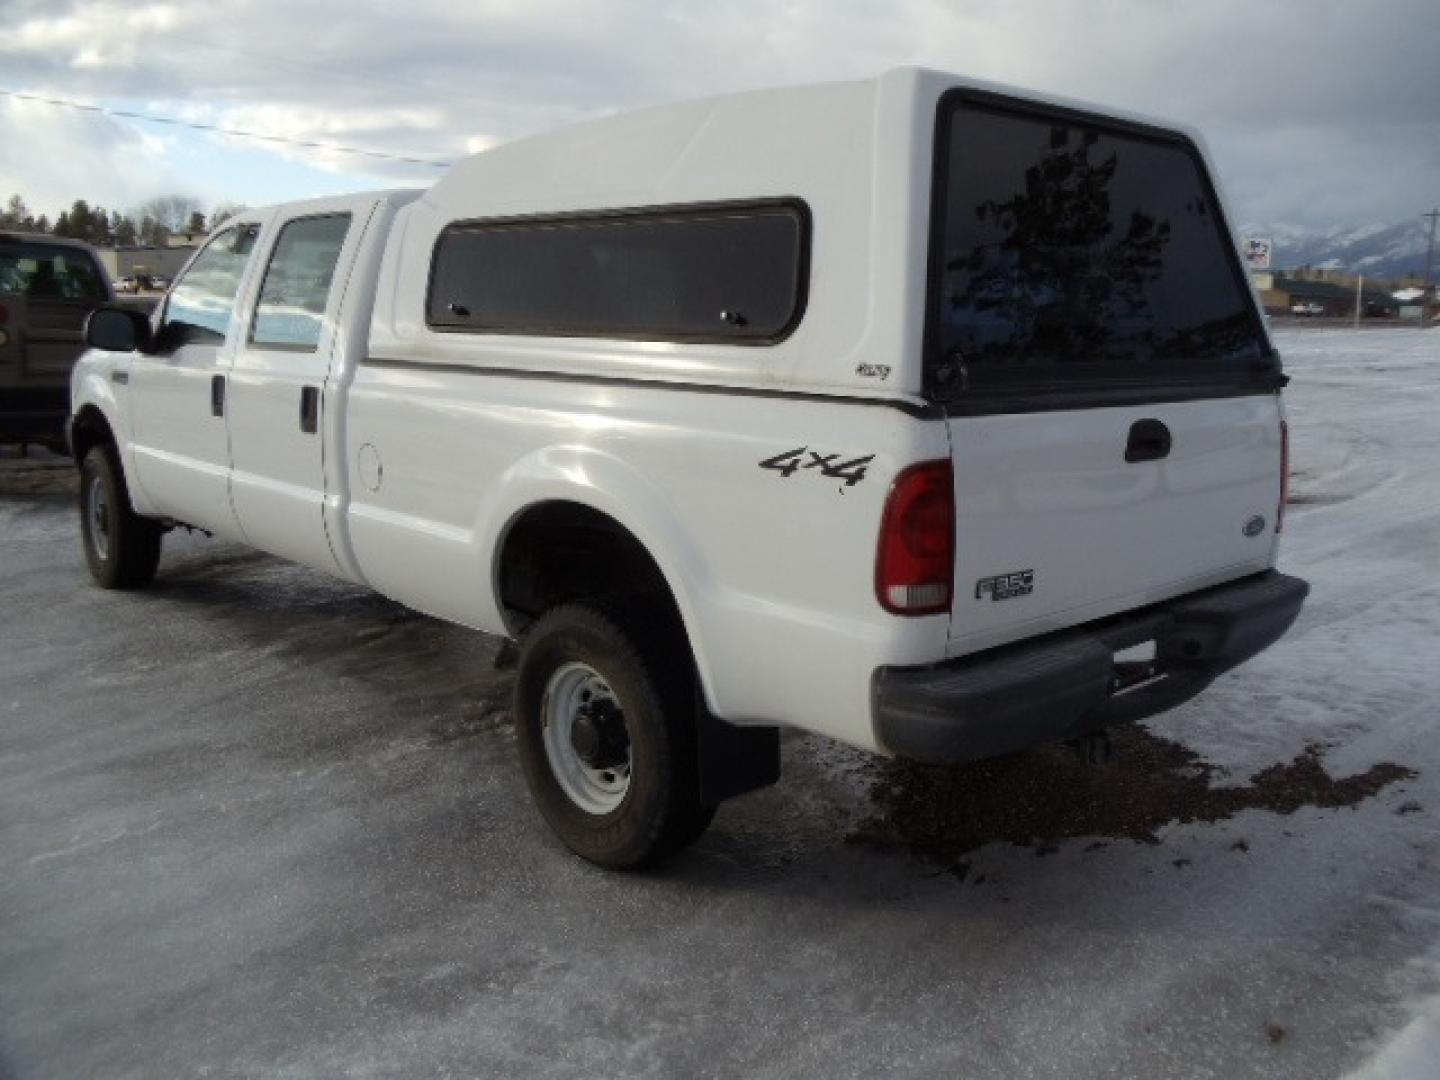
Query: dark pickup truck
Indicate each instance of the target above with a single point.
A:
(47, 287)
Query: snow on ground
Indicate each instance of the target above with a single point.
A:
(1413, 1053)
(254, 822)
(1365, 417)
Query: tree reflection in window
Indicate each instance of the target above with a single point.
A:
(1066, 283)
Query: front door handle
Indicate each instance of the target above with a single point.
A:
(217, 395)
(1149, 441)
(309, 409)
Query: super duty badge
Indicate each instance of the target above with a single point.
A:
(1006, 586)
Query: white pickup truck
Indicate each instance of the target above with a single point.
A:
(924, 414)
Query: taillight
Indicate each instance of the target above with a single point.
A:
(915, 567)
(1284, 475)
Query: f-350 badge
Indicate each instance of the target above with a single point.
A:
(1006, 586)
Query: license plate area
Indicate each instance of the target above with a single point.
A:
(1135, 666)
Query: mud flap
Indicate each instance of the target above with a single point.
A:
(734, 759)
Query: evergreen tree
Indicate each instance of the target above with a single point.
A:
(125, 235)
(100, 232)
(152, 233)
(42, 224)
(15, 214)
(223, 212)
(81, 220)
(62, 224)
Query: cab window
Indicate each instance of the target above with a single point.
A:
(198, 309)
(297, 283)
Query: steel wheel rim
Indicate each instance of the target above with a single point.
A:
(573, 695)
(97, 509)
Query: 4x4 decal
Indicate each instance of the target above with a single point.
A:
(852, 471)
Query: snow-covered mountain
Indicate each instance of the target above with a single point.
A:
(1390, 251)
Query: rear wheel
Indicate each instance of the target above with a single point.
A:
(606, 727)
(122, 549)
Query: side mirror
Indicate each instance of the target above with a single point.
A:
(117, 329)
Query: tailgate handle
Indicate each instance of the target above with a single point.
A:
(1149, 441)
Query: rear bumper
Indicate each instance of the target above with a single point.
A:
(33, 413)
(1068, 683)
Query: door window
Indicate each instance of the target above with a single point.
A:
(199, 306)
(297, 283)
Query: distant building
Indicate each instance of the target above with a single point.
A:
(1282, 295)
(123, 262)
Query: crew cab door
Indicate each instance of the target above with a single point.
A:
(178, 389)
(279, 377)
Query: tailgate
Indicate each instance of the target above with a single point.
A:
(1055, 526)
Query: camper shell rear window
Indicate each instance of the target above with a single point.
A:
(1079, 257)
(734, 273)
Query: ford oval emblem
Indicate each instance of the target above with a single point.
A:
(1255, 526)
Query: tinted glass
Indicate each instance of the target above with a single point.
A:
(713, 274)
(297, 282)
(198, 308)
(1070, 251)
(42, 272)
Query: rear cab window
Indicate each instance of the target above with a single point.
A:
(1080, 260)
(290, 311)
(733, 273)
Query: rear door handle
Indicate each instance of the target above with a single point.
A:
(217, 395)
(309, 409)
(1149, 441)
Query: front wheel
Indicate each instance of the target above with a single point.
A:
(606, 727)
(122, 548)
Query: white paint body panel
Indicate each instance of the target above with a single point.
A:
(432, 444)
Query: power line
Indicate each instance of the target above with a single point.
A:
(197, 126)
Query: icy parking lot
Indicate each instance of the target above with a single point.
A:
(254, 822)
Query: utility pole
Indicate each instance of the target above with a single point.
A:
(1427, 291)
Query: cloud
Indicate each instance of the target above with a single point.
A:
(1319, 110)
(65, 153)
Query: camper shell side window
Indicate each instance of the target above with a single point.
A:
(733, 273)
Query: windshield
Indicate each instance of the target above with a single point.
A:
(1070, 251)
(40, 271)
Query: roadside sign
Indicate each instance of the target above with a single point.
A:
(1256, 251)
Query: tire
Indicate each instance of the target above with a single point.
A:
(579, 667)
(122, 548)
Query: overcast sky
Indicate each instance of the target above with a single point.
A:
(1319, 112)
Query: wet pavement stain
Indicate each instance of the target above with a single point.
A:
(1038, 798)
(44, 474)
